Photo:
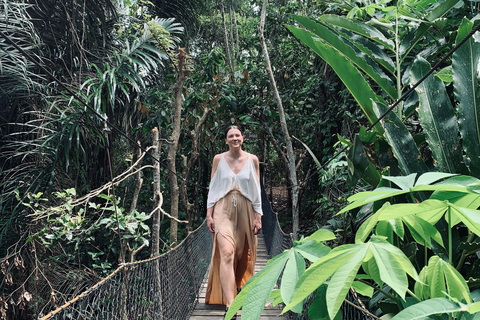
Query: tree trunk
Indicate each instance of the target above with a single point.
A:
(236, 33)
(283, 123)
(225, 34)
(187, 167)
(173, 146)
(232, 42)
(156, 218)
(138, 182)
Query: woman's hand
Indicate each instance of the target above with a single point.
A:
(257, 223)
(210, 223)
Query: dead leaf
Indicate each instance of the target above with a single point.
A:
(8, 279)
(3, 309)
(27, 296)
(18, 262)
(3, 266)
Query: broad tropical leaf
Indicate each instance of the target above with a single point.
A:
(440, 279)
(350, 76)
(465, 70)
(359, 166)
(360, 28)
(294, 268)
(258, 289)
(464, 185)
(438, 119)
(437, 306)
(353, 51)
(403, 146)
(342, 265)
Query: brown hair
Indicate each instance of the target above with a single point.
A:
(232, 127)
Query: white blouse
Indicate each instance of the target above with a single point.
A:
(224, 180)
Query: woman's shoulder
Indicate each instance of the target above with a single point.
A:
(253, 157)
(218, 156)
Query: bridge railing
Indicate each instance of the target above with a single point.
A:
(164, 287)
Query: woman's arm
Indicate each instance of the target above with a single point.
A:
(257, 224)
(210, 222)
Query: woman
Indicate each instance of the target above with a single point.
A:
(234, 210)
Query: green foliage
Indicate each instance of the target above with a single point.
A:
(380, 259)
(79, 232)
(377, 51)
(257, 290)
(437, 306)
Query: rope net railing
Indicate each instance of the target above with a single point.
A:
(277, 241)
(163, 287)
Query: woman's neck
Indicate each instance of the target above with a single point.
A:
(235, 153)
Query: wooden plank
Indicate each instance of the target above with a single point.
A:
(215, 312)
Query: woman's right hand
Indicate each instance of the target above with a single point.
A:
(210, 224)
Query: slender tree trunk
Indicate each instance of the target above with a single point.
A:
(283, 123)
(236, 32)
(173, 146)
(188, 165)
(232, 42)
(225, 34)
(138, 182)
(156, 217)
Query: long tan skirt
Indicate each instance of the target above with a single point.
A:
(233, 216)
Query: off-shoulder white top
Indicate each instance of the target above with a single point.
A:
(224, 180)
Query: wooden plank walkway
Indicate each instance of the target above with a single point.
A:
(215, 312)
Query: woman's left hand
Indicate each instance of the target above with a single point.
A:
(257, 224)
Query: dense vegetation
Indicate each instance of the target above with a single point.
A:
(84, 83)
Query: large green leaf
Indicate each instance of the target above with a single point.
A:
(465, 68)
(311, 248)
(432, 210)
(452, 186)
(342, 280)
(348, 73)
(438, 119)
(294, 268)
(399, 138)
(385, 250)
(424, 309)
(408, 43)
(368, 225)
(422, 231)
(318, 309)
(465, 200)
(441, 9)
(442, 278)
(320, 271)
(343, 263)
(359, 166)
(258, 289)
(360, 28)
(364, 60)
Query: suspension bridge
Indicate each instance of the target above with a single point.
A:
(172, 286)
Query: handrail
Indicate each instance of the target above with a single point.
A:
(162, 287)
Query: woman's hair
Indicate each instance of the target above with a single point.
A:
(232, 127)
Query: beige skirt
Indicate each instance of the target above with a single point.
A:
(233, 216)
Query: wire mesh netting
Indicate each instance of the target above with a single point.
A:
(163, 287)
(277, 241)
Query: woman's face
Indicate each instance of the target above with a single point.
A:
(234, 138)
